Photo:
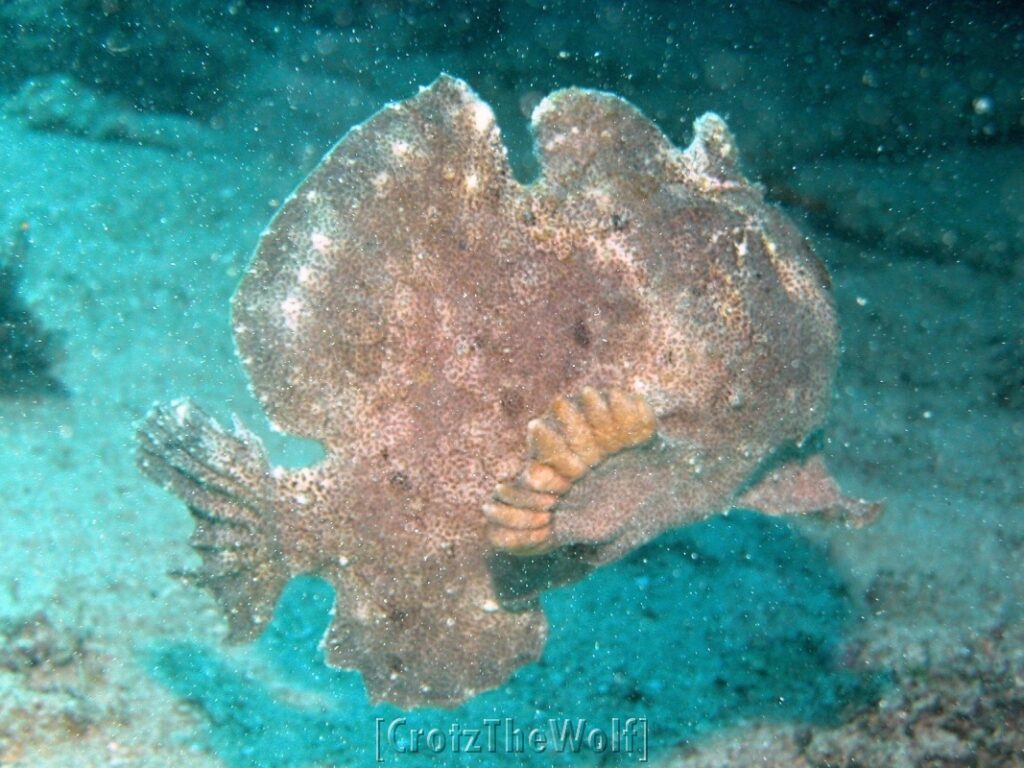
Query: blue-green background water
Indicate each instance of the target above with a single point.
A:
(143, 147)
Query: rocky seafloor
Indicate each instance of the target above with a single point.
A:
(146, 145)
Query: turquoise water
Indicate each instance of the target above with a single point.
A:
(143, 149)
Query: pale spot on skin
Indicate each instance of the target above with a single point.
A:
(483, 117)
(361, 613)
(554, 142)
(741, 246)
(320, 243)
(181, 411)
(291, 312)
(399, 148)
(741, 251)
(472, 182)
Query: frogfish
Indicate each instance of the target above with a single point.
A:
(513, 383)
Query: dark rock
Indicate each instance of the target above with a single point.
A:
(28, 351)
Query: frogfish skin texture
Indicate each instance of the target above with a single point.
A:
(513, 383)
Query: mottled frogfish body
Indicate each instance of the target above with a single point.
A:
(513, 383)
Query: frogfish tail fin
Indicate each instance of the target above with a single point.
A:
(224, 477)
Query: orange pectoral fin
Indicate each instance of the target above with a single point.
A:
(563, 445)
